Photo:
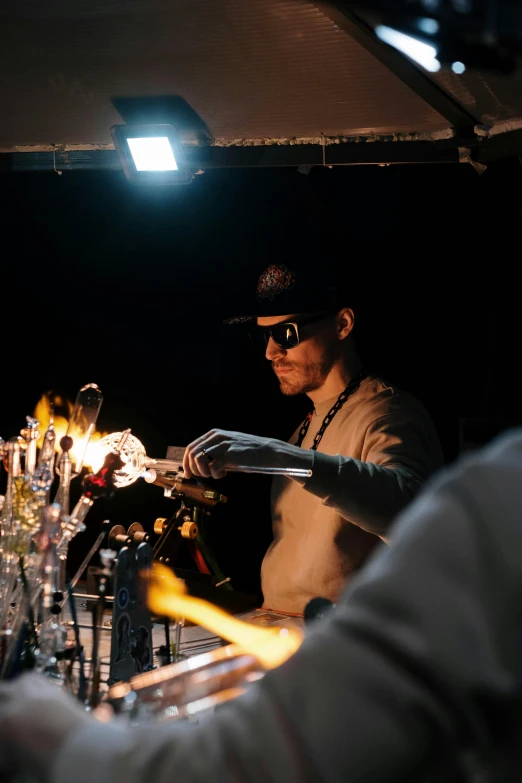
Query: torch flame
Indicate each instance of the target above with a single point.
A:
(44, 413)
(167, 597)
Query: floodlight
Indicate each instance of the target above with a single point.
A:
(151, 154)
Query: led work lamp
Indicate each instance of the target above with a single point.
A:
(151, 154)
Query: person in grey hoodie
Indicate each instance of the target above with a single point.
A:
(414, 676)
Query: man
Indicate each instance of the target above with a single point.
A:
(369, 446)
(415, 676)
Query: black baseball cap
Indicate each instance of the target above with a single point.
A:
(281, 290)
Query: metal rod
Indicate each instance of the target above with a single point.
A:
(166, 624)
(79, 652)
(76, 578)
(177, 644)
(98, 627)
(97, 617)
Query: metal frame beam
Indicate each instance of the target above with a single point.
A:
(403, 68)
(276, 155)
(307, 155)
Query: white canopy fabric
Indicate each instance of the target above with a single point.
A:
(228, 73)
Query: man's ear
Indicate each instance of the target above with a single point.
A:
(345, 322)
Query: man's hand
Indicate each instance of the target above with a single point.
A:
(211, 454)
(35, 718)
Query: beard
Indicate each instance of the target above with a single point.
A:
(305, 377)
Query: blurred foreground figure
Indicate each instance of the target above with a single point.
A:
(415, 676)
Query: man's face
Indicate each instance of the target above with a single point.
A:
(304, 368)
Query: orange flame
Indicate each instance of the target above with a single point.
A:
(167, 597)
(43, 412)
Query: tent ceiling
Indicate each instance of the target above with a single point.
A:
(232, 73)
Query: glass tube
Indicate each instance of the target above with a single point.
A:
(83, 422)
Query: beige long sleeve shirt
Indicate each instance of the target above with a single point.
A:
(375, 454)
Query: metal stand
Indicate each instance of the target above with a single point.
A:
(102, 583)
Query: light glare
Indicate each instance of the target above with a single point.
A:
(428, 26)
(422, 53)
(458, 67)
(152, 153)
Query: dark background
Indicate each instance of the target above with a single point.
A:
(125, 287)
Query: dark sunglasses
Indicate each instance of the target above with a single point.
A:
(286, 334)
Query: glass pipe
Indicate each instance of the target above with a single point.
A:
(8, 531)
(30, 433)
(75, 441)
(82, 422)
(43, 476)
(50, 654)
(65, 472)
(137, 463)
(52, 636)
(20, 521)
(95, 485)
